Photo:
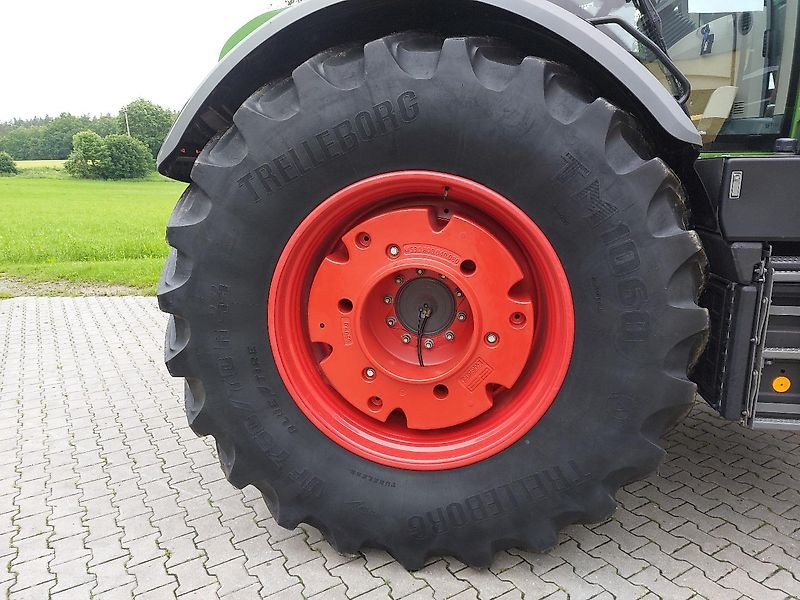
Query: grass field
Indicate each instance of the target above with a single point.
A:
(55, 228)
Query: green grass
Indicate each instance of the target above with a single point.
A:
(55, 228)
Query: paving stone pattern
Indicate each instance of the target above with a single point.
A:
(106, 493)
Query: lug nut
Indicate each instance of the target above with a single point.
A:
(449, 336)
(406, 339)
(462, 316)
(420, 271)
(391, 321)
(387, 299)
(393, 251)
(369, 373)
(429, 343)
(399, 280)
(492, 338)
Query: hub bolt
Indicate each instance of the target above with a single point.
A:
(391, 321)
(429, 343)
(406, 339)
(387, 299)
(462, 316)
(449, 336)
(369, 373)
(459, 293)
(394, 251)
(492, 338)
(420, 271)
(399, 280)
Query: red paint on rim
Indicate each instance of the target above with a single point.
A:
(494, 366)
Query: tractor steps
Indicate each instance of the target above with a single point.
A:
(777, 405)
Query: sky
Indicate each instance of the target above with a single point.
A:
(95, 56)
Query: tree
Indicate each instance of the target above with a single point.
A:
(105, 125)
(59, 132)
(89, 156)
(7, 164)
(149, 123)
(128, 158)
(24, 143)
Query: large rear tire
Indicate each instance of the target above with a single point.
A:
(565, 214)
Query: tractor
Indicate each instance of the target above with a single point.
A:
(446, 271)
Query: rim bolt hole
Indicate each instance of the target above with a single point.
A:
(492, 338)
(393, 251)
(517, 319)
(375, 404)
(363, 240)
(322, 325)
(369, 373)
(345, 305)
(440, 391)
(468, 267)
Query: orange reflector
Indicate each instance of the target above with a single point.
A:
(781, 384)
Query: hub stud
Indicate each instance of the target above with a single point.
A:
(387, 299)
(462, 316)
(406, 339)
(391, 321)
(449, 336)
(399, 280)
(429, 343)
(420, 271)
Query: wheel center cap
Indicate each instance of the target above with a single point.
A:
(426, 294)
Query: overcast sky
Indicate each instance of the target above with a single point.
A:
(95, 56)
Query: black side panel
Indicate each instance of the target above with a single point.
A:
(753, 198)
(732, 261)
(721, 373)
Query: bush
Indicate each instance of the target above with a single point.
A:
(128, 158)
(88, 157)
(111, 157)
(7, 164)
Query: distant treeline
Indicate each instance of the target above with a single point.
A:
(50, 138)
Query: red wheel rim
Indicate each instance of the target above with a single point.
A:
(400, 253)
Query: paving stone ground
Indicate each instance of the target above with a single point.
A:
(106, 493)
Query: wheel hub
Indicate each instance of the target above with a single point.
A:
(436, 287)
(425, 296)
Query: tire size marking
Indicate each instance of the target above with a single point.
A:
(545, 487)
(621, 251)
(383, 118)
(587, 200)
